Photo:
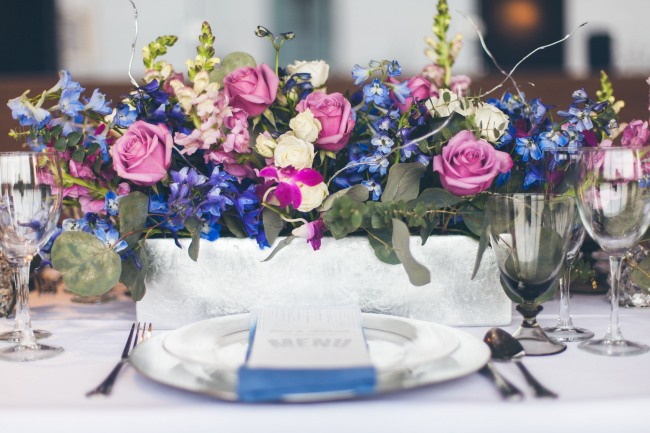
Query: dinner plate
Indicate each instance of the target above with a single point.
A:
(218, 346)
(153, 361)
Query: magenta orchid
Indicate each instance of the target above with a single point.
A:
(287, 192)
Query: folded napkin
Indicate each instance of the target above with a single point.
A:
(305, 351)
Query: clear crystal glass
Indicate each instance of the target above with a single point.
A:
(613, 198)
(30, 205)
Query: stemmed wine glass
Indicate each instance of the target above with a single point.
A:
(561, 166)
(613, 198)
(30, 205)
(529, 235)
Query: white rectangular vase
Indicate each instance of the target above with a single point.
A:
(230, 277)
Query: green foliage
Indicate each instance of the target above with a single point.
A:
(204, 60)
(344, 217)
(418, 274)
(283, 243)
(88, 266)
(606, 92)
(229, 63)
(357, 193)
(133, 210)
(193, 225)
(132, 276)
(403, 182)
(273, 225)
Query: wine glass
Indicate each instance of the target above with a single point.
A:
(613, 198)
(529, 235)
(30, 205)
(561, 166)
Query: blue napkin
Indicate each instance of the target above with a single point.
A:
(256, 384)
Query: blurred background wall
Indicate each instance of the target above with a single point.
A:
(92, 39)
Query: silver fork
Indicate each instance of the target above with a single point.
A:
(106, 386)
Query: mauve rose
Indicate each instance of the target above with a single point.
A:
(334, 113)
(468, 166)
(251, 89)
(421, 89)
(143, 154)
(635, 134)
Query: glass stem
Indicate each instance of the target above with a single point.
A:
(564, 319)
(23, 320)
(614, 331)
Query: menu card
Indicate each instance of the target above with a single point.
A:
(306, 350)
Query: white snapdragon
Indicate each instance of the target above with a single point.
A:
(319, 70)
(305, 126)
(312, 196)
(293, 151)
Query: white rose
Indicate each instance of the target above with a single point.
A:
(265, 145)
(445, 104)
(293, 151)
(491, 121)
(319, 71)
(312, 196)
(305, 126)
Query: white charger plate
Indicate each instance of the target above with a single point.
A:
(389, 352)
(219, 345)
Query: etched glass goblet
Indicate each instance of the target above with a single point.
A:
(30, 205)
(529, 235)
(613, 198)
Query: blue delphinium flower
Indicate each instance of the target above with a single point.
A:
(111, 204)
(552, 140)
(377, 163)
(374, 188)
(538, 111)
(581, 119)
(528, 148)
(394, 69)
(124, 116)
(503, 178)
(580, 95)
(383, 143)
(533, 176)
(69, 103)
(376, 92)
(76, 225)
(98, 104)
(401, 91)
(111, 238)
(27, 114)
(385, 123)
(215, 202)
(210, 230)
(360, 74)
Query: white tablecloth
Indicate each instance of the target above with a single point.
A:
(597, 394)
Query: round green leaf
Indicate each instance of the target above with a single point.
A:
(231, 62)
(88, 266)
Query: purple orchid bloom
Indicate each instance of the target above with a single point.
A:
(288, 192)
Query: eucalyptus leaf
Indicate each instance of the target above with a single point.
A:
(273, 225)
(283, 243)
(88, 266)
(418, 274)
(482, 246)
(235, 226)
(268, 115)
(229, 63)
(133, 210)
(357, 193)
(193, 225)
(473, 219)
(437, 198)
(381, 242)
(641, 274)
(132, 276)
(403, 182)
(74, 138)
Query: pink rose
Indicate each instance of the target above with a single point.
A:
(635, 134)
(421, 88)
(143, 154)
(251, 89)
(467, 166)
(334, 113)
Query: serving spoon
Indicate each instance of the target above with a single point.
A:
(505, 347)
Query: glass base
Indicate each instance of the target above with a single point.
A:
(568, 333)
(29, 353)
(536, 342)
(608, 347)
(96, 300)
(14, 336)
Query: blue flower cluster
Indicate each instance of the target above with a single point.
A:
(193, 195)
(382, 127)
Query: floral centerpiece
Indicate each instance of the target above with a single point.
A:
(230, 147)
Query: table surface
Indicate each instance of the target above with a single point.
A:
(596, 393)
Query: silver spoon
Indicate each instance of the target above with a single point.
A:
(505, 347)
